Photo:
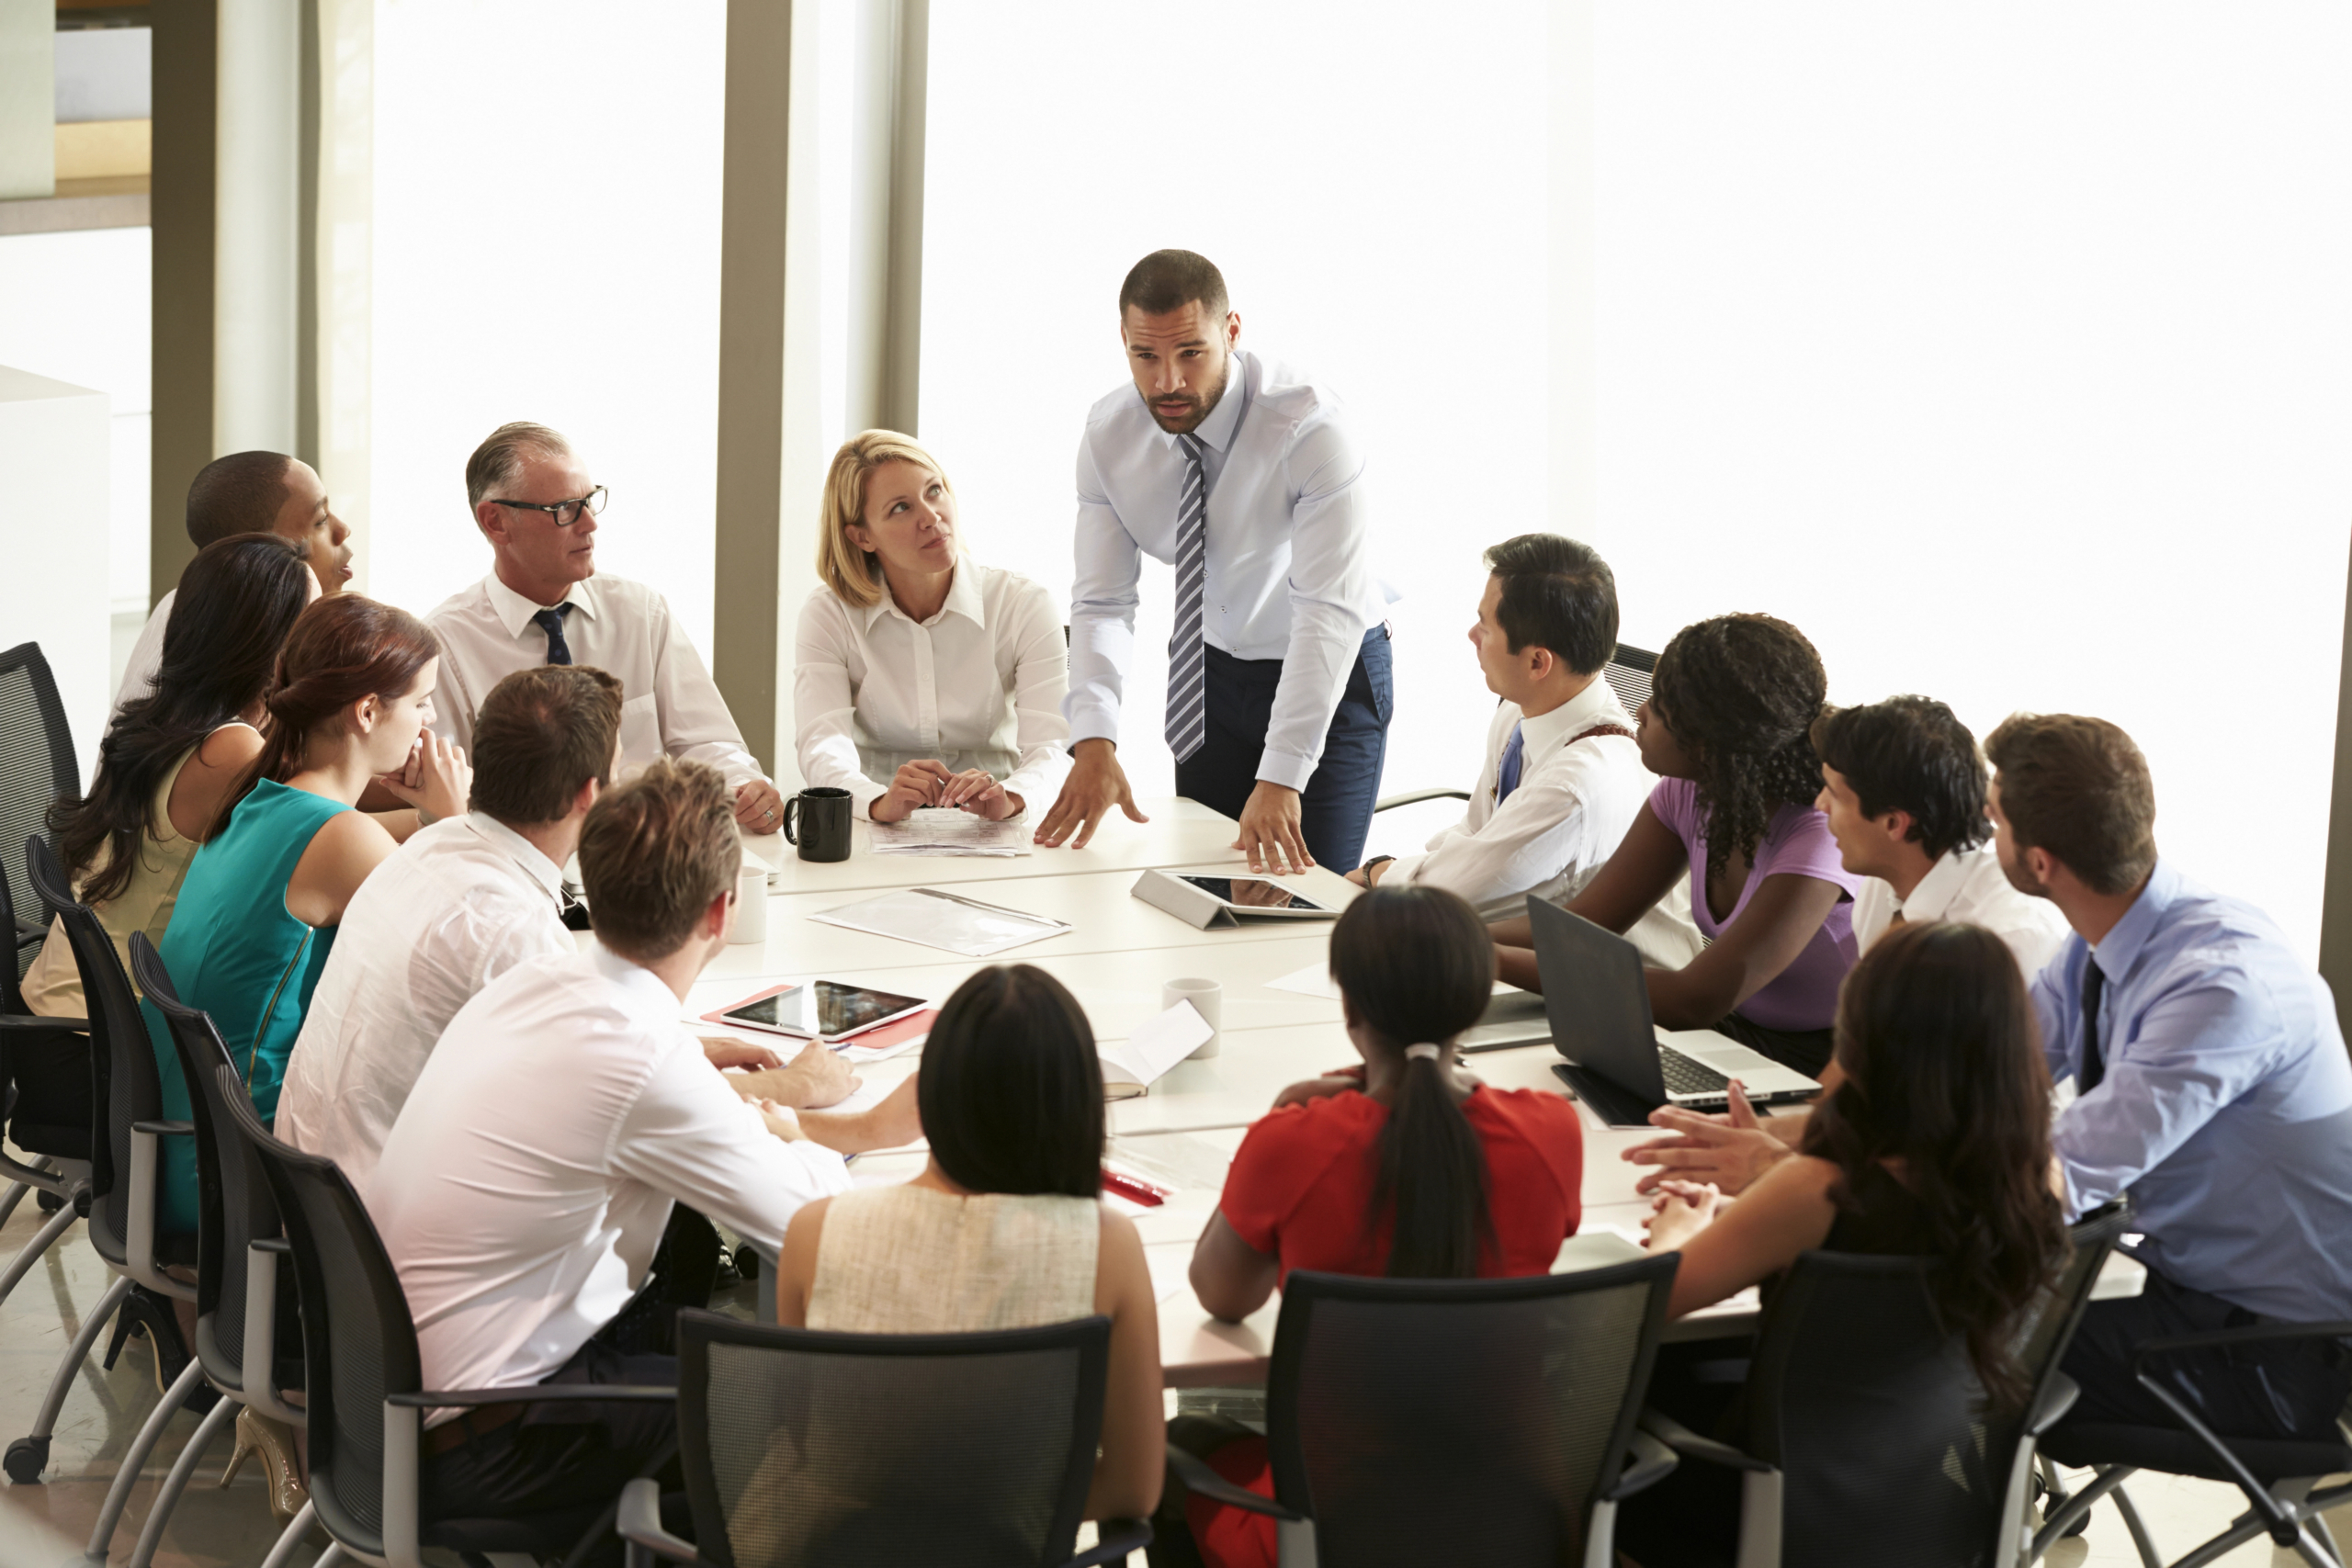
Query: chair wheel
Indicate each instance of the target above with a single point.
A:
(26, 1460)
(2077, 1527)
(747, 1262)
(49, 1202)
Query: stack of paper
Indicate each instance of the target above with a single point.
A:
(947, 831)
(944, 921)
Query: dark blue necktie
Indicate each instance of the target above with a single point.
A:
(1514, 759)
(551, 623)
(2094, 1066)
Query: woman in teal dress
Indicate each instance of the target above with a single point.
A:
(257, 912)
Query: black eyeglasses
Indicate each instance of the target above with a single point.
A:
(565, 512)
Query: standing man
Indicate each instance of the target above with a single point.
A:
(1238, 471)
(543, 604)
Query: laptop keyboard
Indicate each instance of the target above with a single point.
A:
(1684, 1076)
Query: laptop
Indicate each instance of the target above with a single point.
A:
(1616, 1060)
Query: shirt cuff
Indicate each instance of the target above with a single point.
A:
(1401, 869)
(1290, 773)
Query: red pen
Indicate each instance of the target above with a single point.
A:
(1134, 1189)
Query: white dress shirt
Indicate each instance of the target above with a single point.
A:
(459, 905)
(1576, 800)
(979, 685)
(1288, 569)
(146, 656)
(524, 1188)
(668, 704)
(1966, 884)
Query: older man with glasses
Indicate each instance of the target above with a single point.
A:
(544, 602)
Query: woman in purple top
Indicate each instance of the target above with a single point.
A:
(1725, 728)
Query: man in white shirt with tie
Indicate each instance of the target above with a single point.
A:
(1904, 785)
(461, 903)
(544, 603)
(1563, 777)
(1240, 472)
(531, 1174)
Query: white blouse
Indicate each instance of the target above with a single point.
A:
(977, 685)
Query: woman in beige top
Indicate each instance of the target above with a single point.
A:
(1005, 1227)
(171, 757)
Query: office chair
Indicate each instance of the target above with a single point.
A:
(364, 1380)
(1419, 1421)
(821, 1449)
(1866, 1441)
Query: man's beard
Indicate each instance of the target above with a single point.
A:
(1197, 411)
(2023, 880)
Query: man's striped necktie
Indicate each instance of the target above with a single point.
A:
(1187, 722)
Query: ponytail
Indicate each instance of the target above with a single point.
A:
(342, 651)
(1416, 967)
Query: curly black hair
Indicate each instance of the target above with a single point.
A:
(1740, 693)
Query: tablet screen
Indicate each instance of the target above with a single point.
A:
(838, 1009)
(1253, 892)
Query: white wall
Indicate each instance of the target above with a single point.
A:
(2006, 350)
(546, 222)
(54, 439)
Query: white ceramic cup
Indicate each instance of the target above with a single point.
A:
(1209, 999)
(751, 905)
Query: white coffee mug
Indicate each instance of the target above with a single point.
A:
(1209, 999)
(751, 905)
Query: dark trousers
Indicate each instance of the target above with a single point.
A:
(2286, 1391)
(49, 1085)
(1335, 809)
(1807, 1050)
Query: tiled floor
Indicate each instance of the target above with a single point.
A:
(47, 1525)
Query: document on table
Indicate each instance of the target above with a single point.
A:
(946, 830)
(944, 921)
(1132, 1066)
(1314, 980)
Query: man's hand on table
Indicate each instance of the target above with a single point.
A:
(1096, 783)
(1270, 831)
(1727, 1152)
(726, 1051)
(758, 807)
(893, 1124)
(818, 1077)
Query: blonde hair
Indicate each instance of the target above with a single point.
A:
(854, 574)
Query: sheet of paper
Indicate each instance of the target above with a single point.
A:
(944, 920)
(1314, 980)
(1156, 1045)
(943, 830)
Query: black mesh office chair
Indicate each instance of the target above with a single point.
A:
(1419, 1421)
(810, 1448)
(119, 1197)
(365, 1395)
(238, 1246)
(1866, 1439)
(36, 767)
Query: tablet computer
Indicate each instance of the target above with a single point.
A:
(824, 1010)
(1256, 895)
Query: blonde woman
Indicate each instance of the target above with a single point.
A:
(922, 677)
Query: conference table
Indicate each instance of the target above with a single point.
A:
(1115, 957)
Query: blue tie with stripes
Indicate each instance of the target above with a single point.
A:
(1186, 725)
(1513, 761)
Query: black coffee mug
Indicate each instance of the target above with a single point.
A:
(824, 822)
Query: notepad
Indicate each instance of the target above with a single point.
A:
(947, 921)
(1132, 1066)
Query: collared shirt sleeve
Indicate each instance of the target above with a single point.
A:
(1441, 850)
(691, 1138)
(453, 703)
(2201, 1045)
(1040, 690)
(824, 705)
(1330, 580)
(1523, 845)
(1102, 608)
(694, 720)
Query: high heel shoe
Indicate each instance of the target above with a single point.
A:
(144, 1312)
(274, 1442)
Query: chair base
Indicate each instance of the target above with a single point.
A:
(30, 1454)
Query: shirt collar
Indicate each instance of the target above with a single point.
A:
(2115, 953)
(515, 612)
(1597, 704)
(643, 989)
(1935, 890)
(963, 598)
(526, 855)
(1217, 430)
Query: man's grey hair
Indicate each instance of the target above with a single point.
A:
(498, 462)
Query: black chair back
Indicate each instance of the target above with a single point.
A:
(126, 1088)
(814, 1449)
(1410, 1416)
(2047, 1334)
(36, 767)
(1628, 673)
(358, 1342)
(234, 1208)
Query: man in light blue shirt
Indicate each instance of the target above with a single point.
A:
(2211, 1087)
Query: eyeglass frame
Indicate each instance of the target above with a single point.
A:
(601, 496)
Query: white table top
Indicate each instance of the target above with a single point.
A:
(1180, 832)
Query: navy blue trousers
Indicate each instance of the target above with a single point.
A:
(1335, 809)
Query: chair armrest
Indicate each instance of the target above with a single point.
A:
(1114, 1539)
(138, 1231)
(259, 1352)
(435, 1399)
(2051, 1407)
(164, 1128)
(1415, 796)
(2260, 1334)
(1648, 1462)
(277, 1244)
(1683, 1441)
(33, 1022)
(1202, 1482)
(638, 1520)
